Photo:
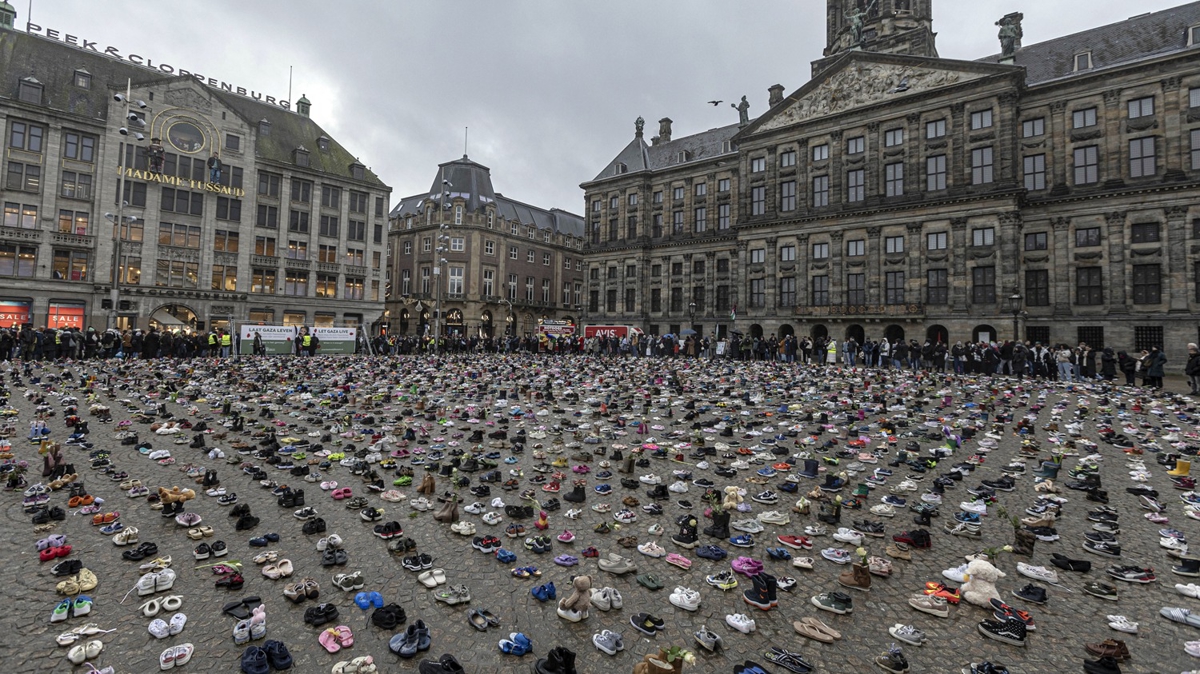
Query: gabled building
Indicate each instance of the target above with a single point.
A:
(1052, 187)
(291, 231)
(505, 264)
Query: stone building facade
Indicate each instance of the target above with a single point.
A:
(505, 265)
(292, 231)
(1052, 187)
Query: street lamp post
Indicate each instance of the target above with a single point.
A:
(1014, 305)
(119, 220)
(692, 314)
(509, 319)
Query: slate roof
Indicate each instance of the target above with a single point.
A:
(53, 64)
(638, 156)
(1135, 39)
(472, 181)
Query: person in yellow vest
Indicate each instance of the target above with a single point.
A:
(831, 352)
(226, 343)
(213, 344)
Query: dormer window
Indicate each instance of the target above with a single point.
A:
(1193, 36)
(323, 144)
(357, 171)
(301, 156)
(264, 127)
(727, 146)
(1083, 61)
(30, 91)
(619, 168)
(682, 156)
(83, 79)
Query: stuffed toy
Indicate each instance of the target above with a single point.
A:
(980, 586)
(733, 497)
(175, 494)
(580, 599)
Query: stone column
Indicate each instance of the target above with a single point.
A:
(1175, 278)
(956, 134)
(1009, 267)
(803, 298)
(1058, 127)
(1060, 262)
(914, 136)
(915, 275)
(837, 284)
(958, 265)
(837, 169)
(710, 284)
(1174, 149)
(739, 280)
(875, 280)
(1116, 294)
(772, 279)
(1112, 144)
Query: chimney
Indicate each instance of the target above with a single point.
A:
(776, 92)
(664, 130)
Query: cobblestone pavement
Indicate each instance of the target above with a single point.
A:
(1070, 619)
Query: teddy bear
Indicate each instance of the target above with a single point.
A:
(733, 496)
(175, 494)
(980, 586)
(579, 600)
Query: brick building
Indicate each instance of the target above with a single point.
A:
(1054, 186)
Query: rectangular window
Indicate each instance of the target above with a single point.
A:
(180, 236)
(893, 291)
(631, 228)
(1035, 172)
(512, 290)
(331, 197)
(1087, 237)
(856, 248)
(489, 282)
(936, 241)
(820, 291)
(758, 293)
(630, 300)
(893, 137)
(489, 247)
(983, 285)
(1144, 232)
(455, 281)
(656, 299)
(131, 270)
(327, 254)
(295, 283)
(935, 173)
(27, 137)
(79, 147)
(787, 159)
(787, 196)
(1146, 337)
(132, 231)
(545, 259)
(676, 270)
(937, 286)
(268, 216)
(356, 230)
(820, 152)
(1141, 157)
(1035, 241)
(20, 261)
(176, 274)
(225, 241)
(701, 221)
(264, 245)
(1147, 284)
(1087, 165)
(457, 244)
(856, 185)
(358, 202)
(1082, 119)
(302, 191)
(298, 222)
(981, 119)
(981, 166)
(512, 253)
(1141, 107)
(984, 236)
(1194, 98)
(935, 129)
(1037, 288)
(224, 278)
(658, 197)
(757, 165)
(73, 222)
(722, 265)
(76, 185)
(723, 185)
(856, 289)
(758, 200)
(329, 226)
(70, 265)
(820, 251)
(593, 300)
(787, 291)
(24, 177)
(229, 209)
(1089, 286)
(723, 298)
(697, 299)
(758, 256)
(1195, 149)
(297, 250)
(893, 244)
(700, 189)
(894, 179)
(676, 300)
(856, 145)
(787, 254)
(820, 191)
(677, 222)
(1031, 128)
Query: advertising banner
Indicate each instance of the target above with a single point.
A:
(65, 315)
(556, 328)
(15, 313)
(276, 339)
(335, 341)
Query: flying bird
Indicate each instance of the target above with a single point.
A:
(715, 103)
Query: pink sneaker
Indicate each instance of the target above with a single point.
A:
(680, 561)
(566, 536)
(1157, 518)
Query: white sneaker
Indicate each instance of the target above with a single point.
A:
(740, 623)
(1037, 572)
(497, 502)
(601, 599)
(1122, 624)
(492, 518)
(1188, 589)
(883, 510)
(930, 497)
(815, 530)
(906, 485)
(679, 487)
(1173, 544)
(475, 508)
(774, 517)
(749, 526)
(958, 574)
(685, 598)
(848, 536)
(615, 597)
(650, 479)
(974, 507)
(651, 549)
(574, 513)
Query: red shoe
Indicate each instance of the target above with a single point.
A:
(48, 554)
(62, 551)
(950, 594)
(591, 552)
(796, 542)
(551, 487)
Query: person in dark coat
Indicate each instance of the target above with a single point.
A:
(1154, 365)
(1128, 367)
(1108, 364)
(1192, 369)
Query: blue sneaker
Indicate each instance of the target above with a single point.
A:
(779, 553)
(767, 471)
(743, 541)
(969, 518)
(789, 487)
(894, 501)
(603, 489)
(505, 556)
(711, 552)
(112, 528)
(511, 460)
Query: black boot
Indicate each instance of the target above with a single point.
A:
(577, 494)
(686, 538)
(922, 519)
(720, 525)
(197, 442)
(551, 664)
(830, 515)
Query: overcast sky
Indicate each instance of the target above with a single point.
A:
(549, 88)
